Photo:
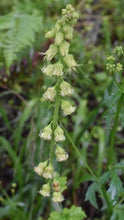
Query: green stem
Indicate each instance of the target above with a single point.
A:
(89, 169)
(106, 199)
(55, 119)
(78, 153)
(113, 132)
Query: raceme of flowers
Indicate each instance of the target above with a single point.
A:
(58, 93)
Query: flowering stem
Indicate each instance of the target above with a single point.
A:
(55, 118)
(113, 132)
(79, 154)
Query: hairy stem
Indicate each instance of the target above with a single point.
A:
(55, 119)
(113, 131)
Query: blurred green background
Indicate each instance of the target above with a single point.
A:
(23, 25)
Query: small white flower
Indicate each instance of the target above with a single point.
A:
(59, 38)
(50, 34)
(67, 108)
(51, 52)
(40, 168)
(64, 48)
(59, 134)
(66, 89)
(57, 197)
(48, 70)
(50, 94)
(46, 134)
(48, 172)
(70, 61)
(68, 32)
(61, 154)
(45, 191)
(57, 69)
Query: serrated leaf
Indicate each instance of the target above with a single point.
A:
(19, 32)
(104, 178)
(116, 187)
(91, 194)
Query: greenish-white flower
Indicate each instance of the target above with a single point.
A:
(61, 155)
(48, 172)
(57, 197)
(50, 34)
(119, 50)
(59, 134)
(57, 69)
(68, 32)
(51, 52)
(64, 48)
(66, 89)
(50, 94)
(45, 190)
(67, 108)
(70, 61)
(48, 71)
(46, 134)
(59, 38)
(40, 168)
(119, 67)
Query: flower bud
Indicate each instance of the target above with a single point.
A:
(119, 67)
(51, 52)
(69, 8)
(58, 69)
(58, 25)
(61, 154)
(57, 197)
(48, 172)
(66, 89)
(70, 61)
(68, 32)
(110, 67)
(59, 38)
(50, 34)
(110, 58)
(48, 70)
(46, 134)
(45, 191)
(50, 94)
(59, 134)
(64, 48)
(67, 108)
(40, 168)
(119, 50)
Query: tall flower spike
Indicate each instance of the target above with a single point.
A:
(62, 63)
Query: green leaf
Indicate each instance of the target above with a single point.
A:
(19, 32)
(91, 194)
(116, 187)
(104, 178)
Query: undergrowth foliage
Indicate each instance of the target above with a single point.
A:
(17, 31)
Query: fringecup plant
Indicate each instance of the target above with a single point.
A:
(65, 63)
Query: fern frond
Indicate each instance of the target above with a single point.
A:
(20, 33)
